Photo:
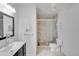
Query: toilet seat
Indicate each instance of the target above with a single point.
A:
(53, 47)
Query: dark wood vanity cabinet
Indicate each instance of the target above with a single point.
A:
(21, 51)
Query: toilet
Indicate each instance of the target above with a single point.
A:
(56, 48)
(53, 47)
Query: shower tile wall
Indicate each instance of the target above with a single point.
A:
(46, 31)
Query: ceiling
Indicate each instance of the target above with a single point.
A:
(45, 11)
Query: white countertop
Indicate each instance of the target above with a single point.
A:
(11, 49)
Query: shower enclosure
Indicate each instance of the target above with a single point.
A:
(46, 31)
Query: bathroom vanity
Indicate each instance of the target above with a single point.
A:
(17, 48)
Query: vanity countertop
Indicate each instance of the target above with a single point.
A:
(11, 49)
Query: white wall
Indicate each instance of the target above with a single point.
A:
(68, 29)
(26, 15)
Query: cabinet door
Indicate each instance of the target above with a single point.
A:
(24, 50)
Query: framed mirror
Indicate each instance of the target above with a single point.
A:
(6, 26)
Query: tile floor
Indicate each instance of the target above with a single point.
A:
(45, 51)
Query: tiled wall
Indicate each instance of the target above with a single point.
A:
(46, 30)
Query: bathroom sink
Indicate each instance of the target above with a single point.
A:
(11, 49)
